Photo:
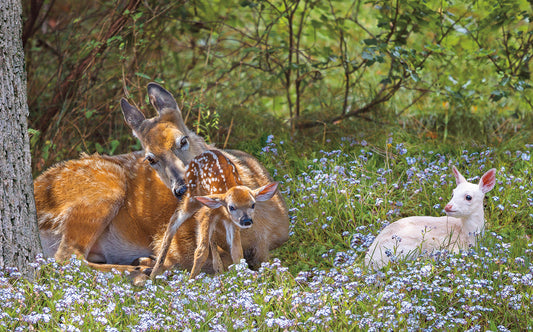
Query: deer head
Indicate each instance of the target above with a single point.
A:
(168, 144)
(239, 202)
(467, 198)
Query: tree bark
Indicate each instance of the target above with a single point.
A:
(19, 237)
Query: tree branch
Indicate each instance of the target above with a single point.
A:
(69, 85)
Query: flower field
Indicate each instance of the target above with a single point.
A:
(339, 200)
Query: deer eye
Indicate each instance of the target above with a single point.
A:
(468, 197)
(232, 208)
(253, 206)
(183, 143)
(150, 158)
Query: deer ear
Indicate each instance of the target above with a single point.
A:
(166, 105)
(160, 98)
(132, 115)
(265, 193)
(212, 201)
(488, 180)
(459, 178)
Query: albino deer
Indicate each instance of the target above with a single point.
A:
(110, 210)
(411, 236)
(213, 180)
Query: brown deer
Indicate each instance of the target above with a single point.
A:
(109, 210)
(213, 182)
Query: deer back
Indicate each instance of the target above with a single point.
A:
(211, 173)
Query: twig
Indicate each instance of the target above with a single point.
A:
(229, 133)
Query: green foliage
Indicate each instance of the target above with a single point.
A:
(446, 69)
(206, 121)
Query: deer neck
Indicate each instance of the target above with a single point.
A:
(198, 144)
(475, 222)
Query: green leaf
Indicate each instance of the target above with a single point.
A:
(32, 131)
(143, 75)
(505, 81)
(114, 145)
(98, 148)
(385, 81)
(89, 114)
(367, 55)
(497, 95)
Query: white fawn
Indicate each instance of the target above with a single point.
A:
(411, 236)
(213, 182)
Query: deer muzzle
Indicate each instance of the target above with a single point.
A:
(448, 208)
(179, 190)
(246, 222)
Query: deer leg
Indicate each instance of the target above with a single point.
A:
(92, 221)
(236, 247)
(179, 217)
(218, 266)
(256, 255)
(175, 223)
(202, 248)
(146, 261)
(165, 245)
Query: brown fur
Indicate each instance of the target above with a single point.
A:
(208, 173)
(213, 181)
(112, 210)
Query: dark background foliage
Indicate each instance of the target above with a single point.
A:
(444, 70)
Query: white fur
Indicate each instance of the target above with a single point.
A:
(112, 248)
(50, 242)
(412, 236)
(230, 232)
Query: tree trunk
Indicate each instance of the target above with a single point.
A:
(19, 238)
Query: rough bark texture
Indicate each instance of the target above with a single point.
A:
(19, 238)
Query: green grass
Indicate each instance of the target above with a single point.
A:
(340, 195)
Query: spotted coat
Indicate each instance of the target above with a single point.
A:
(211, 173)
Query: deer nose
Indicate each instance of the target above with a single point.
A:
(179, 191)
(246, 222)
(448, 208)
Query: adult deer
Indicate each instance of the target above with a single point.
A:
(109, 209)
